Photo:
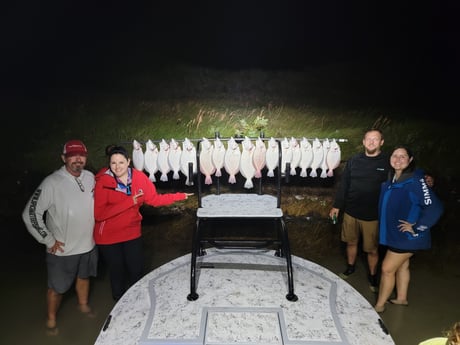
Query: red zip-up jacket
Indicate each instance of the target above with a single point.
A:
(117, 217)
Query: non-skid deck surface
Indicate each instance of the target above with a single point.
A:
(242, 301)
(239, 205)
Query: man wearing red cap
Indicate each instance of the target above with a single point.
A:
(60, 215)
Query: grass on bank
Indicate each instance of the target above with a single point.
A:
(328, 101)
(99, 124)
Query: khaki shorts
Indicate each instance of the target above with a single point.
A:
(353, 228)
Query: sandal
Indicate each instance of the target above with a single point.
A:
(397, 302)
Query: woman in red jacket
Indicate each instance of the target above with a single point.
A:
(119, 193)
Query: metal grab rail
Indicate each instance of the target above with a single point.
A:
(282, 240)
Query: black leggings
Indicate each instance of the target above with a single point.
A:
(125, 263)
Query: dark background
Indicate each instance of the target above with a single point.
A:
(75, 42)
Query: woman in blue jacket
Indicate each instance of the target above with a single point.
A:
(408, 208)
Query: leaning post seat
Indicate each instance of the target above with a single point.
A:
(234, 204)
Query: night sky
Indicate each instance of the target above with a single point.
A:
(68, 42)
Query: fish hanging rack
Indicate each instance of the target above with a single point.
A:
(238, 139)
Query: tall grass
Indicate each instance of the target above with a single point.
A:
(193, 102)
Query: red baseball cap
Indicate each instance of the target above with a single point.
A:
(73, 148)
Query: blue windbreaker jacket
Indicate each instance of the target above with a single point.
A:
(412, 200)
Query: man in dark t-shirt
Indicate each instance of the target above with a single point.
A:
(357, 197)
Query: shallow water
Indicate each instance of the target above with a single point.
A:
(433, 291)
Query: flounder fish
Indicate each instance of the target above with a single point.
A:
(326, 146)
(162, 160)
(232, 160)
(138, 156)
(259, 157)
(318, 155)
(247, 168)
(175, 151)
(306, 156)
(286, 155)
(333, 157)
(296, 155)
(206, 165)
(150, 159)
(272, 157)
(218, 155)
(188, 156)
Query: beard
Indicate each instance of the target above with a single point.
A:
(77, 167)
(372, 151)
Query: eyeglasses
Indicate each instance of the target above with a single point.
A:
(82, 188)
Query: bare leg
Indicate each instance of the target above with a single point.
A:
(352, 252)
(82, 289)
(402, 282)
(372, 261)
(392, 262)
(53, 301)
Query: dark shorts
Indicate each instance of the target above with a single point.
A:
(401, 251)
(62, 270)
(353, 228)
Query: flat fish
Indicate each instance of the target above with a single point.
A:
(232, 160)
(218, 155)
(333, 157)
(318, 155)
(286, 154)
(326, 146)
(296, 155)
(175, 151)
(272, 157)
(259, 157)
(188, 156)
(138, 156)
(162, 160)
(206, 165)
(306, 156)
(150, 159)
(247, 168)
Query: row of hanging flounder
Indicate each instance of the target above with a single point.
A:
(249, 160)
